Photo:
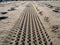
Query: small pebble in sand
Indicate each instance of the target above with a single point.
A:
(57, 9)
(46, 19)
(11, 9)
(3, 17)
(55, 28)
(37, 9)
(41, 13)
(58, 35)
(3, 12)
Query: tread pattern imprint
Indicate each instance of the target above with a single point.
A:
(28, 30)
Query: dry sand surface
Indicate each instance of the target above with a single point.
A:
(48, 12)
(52, 20)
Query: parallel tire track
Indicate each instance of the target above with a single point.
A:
(28, 30)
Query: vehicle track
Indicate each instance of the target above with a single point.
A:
(28, 30)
